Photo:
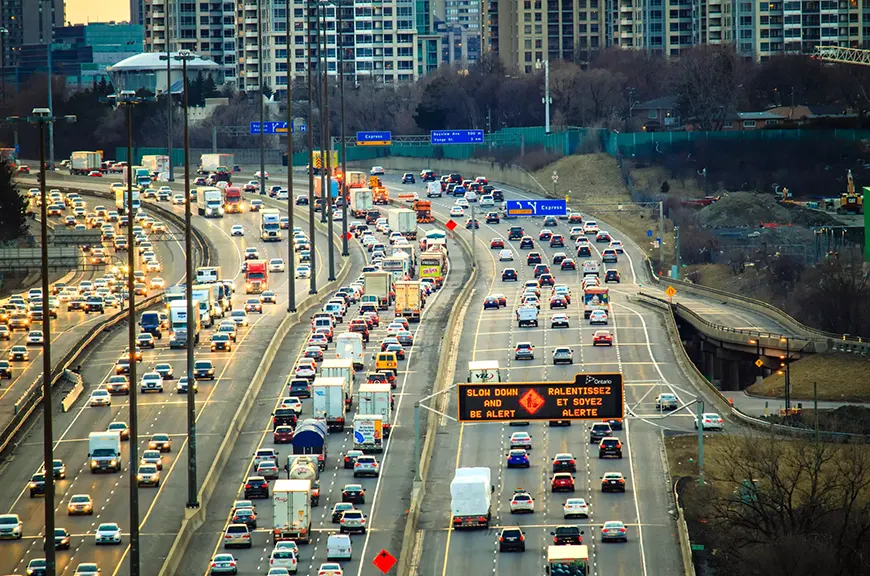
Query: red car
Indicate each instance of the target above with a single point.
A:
(558, 302)
(496, 243)
(376, 320)
(575, 218)
(602, 337)
(360, 326)
(24, 169)
(283, 435)
(95, 174)
(378, 378)
(562, 482)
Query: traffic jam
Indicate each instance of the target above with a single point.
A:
(304, 500)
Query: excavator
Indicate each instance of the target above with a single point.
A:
(850, 201)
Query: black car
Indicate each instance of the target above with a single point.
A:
(511, 539)
(557, 241)
(610, 447)
(497, 195)
(284, 417)
(61, 539)
(299, 387)
(492, 218)
(533, 258)
(95, 304)
(353, 493)
(567, 535)
(37, 485)
(611, 275)
(515, 233)
(558, 257)
(584, 251)
(408, 178)
(203, 370)
(527, 242)
(509, 274)
(599, 430)
(302, 200)
(428, 176)
(564, 463)
(5, 369)
(256, 487)
(360, 230)
(456, 178)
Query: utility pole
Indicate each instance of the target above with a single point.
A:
(313, 253)
(262, 78)
(325, 193)
(473, 236)
(169, 93)
(51, 108)
(291, 202)
(345, 201)
(700, 422)
(661, 235)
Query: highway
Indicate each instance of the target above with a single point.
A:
(161, 509)
(387, 497)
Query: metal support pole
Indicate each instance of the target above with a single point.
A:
(418, 457)
(345, 200)
(787, 377)
(3, 33)
(169, 96)
(192, 492)
(816, 409)
(700, 422)
(661, 234)
(313, 252)
(214, 139)
(325, 195)
(48, 433)
(678, 259)
(51, 108)
(331, 216)
(473, 237)
(547, 95)
(262, 79)
(291, 201)
(131, 336)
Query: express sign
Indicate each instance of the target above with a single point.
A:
(588, 397)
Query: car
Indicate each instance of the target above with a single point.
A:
(491, 302)
(522, 501)
(613, 482)
(80, 504)
(567, 536)
(330, 569)
(491, 217)
(353, 493)
(608, 256)
(511, 538)
(223, 564)
(177, 200)
(221, 342)
(505, 256)
(152, 457)
(107, 533)
(603, 236)
(35, 338)
(524, 351)
(568, 264)
(253, 305)
(598, 317)
(350, 458)
(575, 508)
(377, 171)
(457, 212)
(182, 384)
(408, 178)
(269, 297)
(277, 265)
(557, 241)
(610, 446)
(87, 569)
(559, 321)
(533, 259)
(666, 401)
(37, 484)
(303, 271)
(562, 482)
(509, 275)
(527, 242)
(256, 487)
(340, 508)
(545, 234)
(564, 462)
(268, 470)
(518, 458)
(472, 223)
(602, 338)
(590, 227)
(558, 301)
(151, 382)
(161, 442)
(121, 428)
(711, 421)
(237, 230)
(145, 340)
(598, 431)
(563, 355)
(520, 440)
(100, 397)
(240, 317)
(237, 535)
(37, 567)
(282, 435)
(203, 370)
(612, 275)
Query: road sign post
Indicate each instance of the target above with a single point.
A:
(556, 181)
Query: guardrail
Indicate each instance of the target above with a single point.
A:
(32, 397)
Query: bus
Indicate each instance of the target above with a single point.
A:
(596, 298)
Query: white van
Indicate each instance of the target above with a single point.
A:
(338, 547)
(349, 346)
(527, 316)
(207, 275)
(590, 267)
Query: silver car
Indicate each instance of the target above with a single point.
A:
(108, 533)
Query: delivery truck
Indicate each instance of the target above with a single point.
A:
(571, 560)
(156, 163)
(409, 300)
(379, 284)
(403, 221)
(83, 162)
(305, 467)
(340, 368)
(178, 325)
(121, 198)
(368, 433)
(471, 498)
(484, 371)
(104, 451)
(291, 510)
(376, 399)
(349, 346)
(328, 401)
(360, 201)
(211, 162)
(356, 179)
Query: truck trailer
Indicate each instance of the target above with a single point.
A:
(471, 498)
(83, 163)
(291, 510)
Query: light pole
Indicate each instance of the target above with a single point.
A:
(168, 59)
(546, 100)
(41, 117)
(185, 56)
(3, 33)
(344, 195)
(327, 197)
(313, 253)
(48, 49)
(291, 202)
(325, 147)
(262, 80)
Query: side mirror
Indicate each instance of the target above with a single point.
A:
(582, 532)
(552, 533)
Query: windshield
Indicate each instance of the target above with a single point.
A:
(103, 452)
(256, 275)
(270, 226)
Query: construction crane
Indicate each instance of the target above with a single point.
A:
(842, 55)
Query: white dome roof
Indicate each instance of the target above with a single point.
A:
(150, 61)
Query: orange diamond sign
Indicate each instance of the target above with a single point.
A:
(532, 401)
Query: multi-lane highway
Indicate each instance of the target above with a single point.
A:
(161, 509)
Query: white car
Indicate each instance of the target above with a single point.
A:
(303, 271)
(237, 230)
(598, 317)
(35, 337)
(505, 256)
(486, 200)
(284, 559)
(337, 215)
(305, 370)
(711, 421)
(108, 533)
(100, 397)
(157, 283)
(617, 245)
(377, 171)
(282, 195)
(457, 212)
(264, 174)
(521, 440)
(178, 200)
(522, 501)
(240, 317)
(591, 227)
(330, 569)
(153, 266)
(276, 265)
(151, 381)
(471, 196)
(575, 507)
(293, 403)
(463, 202)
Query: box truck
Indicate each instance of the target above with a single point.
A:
(379, 284)
(340, 368)
(211, 162)
(376, 399)
(83, 162)
(360, 201)
(328, 401)
(368, 433)
(178, 324)
(409, 300)
(471, 498)
(156, 163)
(121, 198)
(403, 221)
(104, 451)
(356, 179)
(349, 346)
(572, 560)
(291, 510)
(485, 371)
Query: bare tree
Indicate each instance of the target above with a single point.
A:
(705, 81)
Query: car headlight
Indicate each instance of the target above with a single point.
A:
(33, 484)
(139, 477)
(113, 463)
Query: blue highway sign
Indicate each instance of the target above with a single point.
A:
(373, 138)
(456, 137)
(536, 208)
(274, 128)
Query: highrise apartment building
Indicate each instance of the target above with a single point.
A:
(459, 23)
(27, 22)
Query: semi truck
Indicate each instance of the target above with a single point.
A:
(328, 401)
(104, 451)
(233, 200)
(212, 205)
(211, 162)
(571, 560)
(471, 498)
(368, 433)
(210, 294)
(155, 164)
(305, 467)
(256, 277)
(403, 221)
(141, 177)
(361, 201)
(178, 324)
(379, 284)
(83, 162)
(409, 300)
(376, 399)
(270, 225)
(121, 198)
(340, 368)
(291, 510)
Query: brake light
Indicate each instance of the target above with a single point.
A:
(481, 518)
(571, 462)
(247, 485)
(555, 540)
(501, 538)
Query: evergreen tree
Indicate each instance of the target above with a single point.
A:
(209, 87)
(13, 208)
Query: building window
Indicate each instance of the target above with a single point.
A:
(728, 124)
(749, 123)
(652, 114)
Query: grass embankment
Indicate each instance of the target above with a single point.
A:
(839, 378)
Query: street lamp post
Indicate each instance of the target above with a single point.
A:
(325, 145)
(313, 253)
(168, 59)
(546, 100)
(3, 33)
(327, 194)
(291, 202)
(262, 92)
(344, 195)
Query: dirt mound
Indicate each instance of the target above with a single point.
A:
(743, 209)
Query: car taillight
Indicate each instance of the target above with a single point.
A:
(555, 540)
(622, 530)
(571, 462)
(501, 538)
(247, 485)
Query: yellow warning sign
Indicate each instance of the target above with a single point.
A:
(671, 291)
(759, 363)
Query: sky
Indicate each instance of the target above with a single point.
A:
(84, 11)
